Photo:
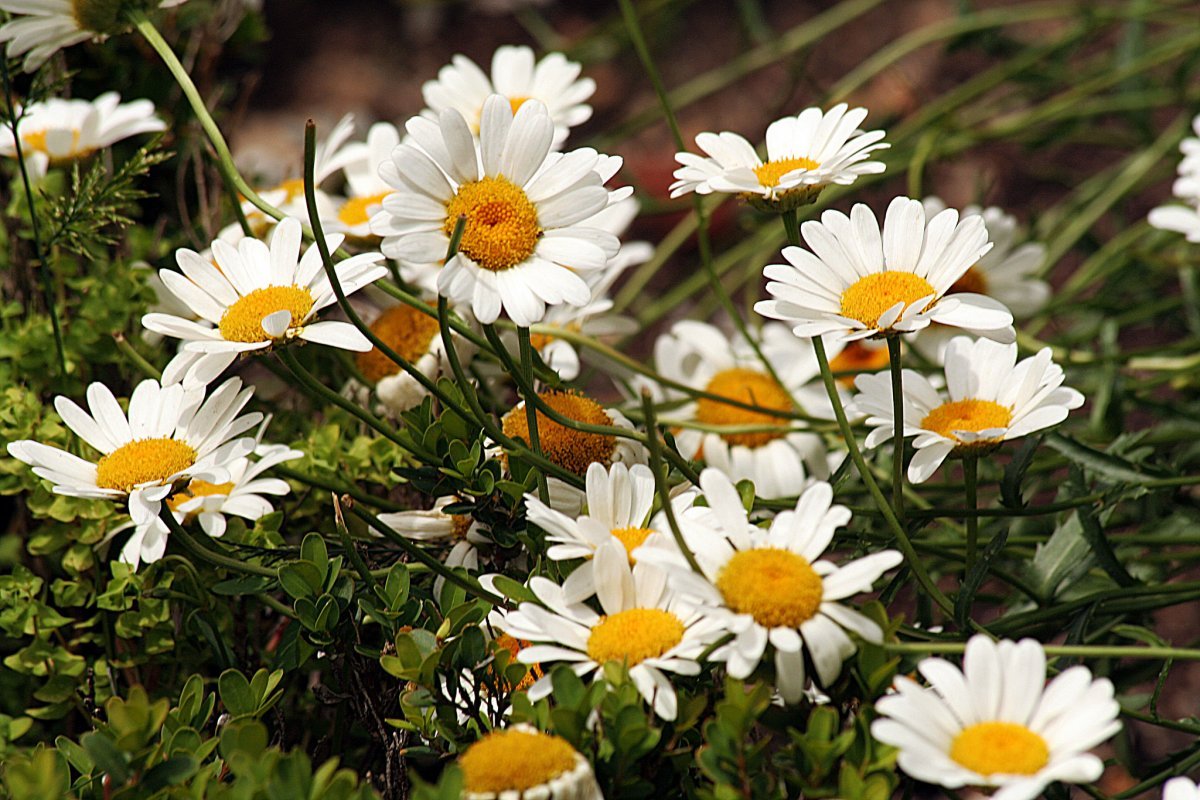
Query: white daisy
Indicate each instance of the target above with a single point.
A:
(1180, 789)
(805, 153)
(255, 297)
(618, 502)
(1178, 218)
(859, 282)
(701, 356)
(523, 245)
(768, 586)
(996, 723)
(522, 763)
(168, 435)
(208, 503)
(553, 81)
(989, 399)
(644, 625)
(461, 531)
(365, 190)
(57, 131)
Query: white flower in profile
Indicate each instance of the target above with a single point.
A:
(996, 723)
(208, 503)
(255, 297)
(56, 131)
(645, 625)
(861, 282)
(771, 586)
(168, 435)
(553, 81)
(525, 244)
(990, 398)
(461, 532)
(805, 153)
(1184, 217)
(522, 762)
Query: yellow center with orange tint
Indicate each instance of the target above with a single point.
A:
(570, 449)
(631, 539)
(634, 635)
(973, 280)
(858, 357)
(198, 488)
(143, 461)
(357, 210)
(777, 587)
(750, 387)
(868, 298)
(514, 761)
(1000, 748)
(514, 645)
(242, 321)
(770, 173)
(502, 224)
(405, 330)
(967, 415)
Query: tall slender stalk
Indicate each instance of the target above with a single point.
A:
(526, 351)
(970, 488)
(896, 367)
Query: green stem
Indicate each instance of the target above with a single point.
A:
(970, 485)
(894, 360)
(144, 366)
(1054, 651)
(194, 548)
(526, 350)
(323, 392)
(660, 482)
(356, 558)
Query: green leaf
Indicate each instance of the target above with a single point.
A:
(236, 694)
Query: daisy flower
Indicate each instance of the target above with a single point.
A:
(365, 190)
(768, 586)
(805, 153)
(57, 131)
(645, 625)
(701, 356)
(523, 245)
(990, 398)
(461, 531)
(208, 503)
(1180, 789)
(553, 81)
(168, 435)
(1006, 273)
(1184, 218)
(255, 297)
(1177, 218)
(859, 282)
(995, 722)
(522, 762)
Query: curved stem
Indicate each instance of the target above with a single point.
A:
(893, 343)
(970, 481)
(194, 548)
(323, 392)
(660, 482)
(528, 389)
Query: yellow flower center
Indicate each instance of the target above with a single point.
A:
(516, 102)
(745, 386)
(515, 761)
(1000, 748)
(356, 210)
(502, 224)
(770, 172)
(461, 525)
(404, 329)
(858, 357)
(632, 539)
(36, 140)
(777, 587)
(197, 488)
(867, 298)
(568, 448)
(967, 415)
(514, 645)
(242, 321)
(633, 636)
(973, 280)
(292, 188)
(143, 461)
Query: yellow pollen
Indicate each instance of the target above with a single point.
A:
(514, 645)
(516, 102)
(568, 448)
(858, 357)
(632, 539)
(242, 321)
(867, 298)
(502, 224)
(143, 461)
(770, 172)
(745, 386)
(633, 636)
(777, 587)
(461, 525)
(404, 329)
(356, 210)
(973, 280)
(197, 488)
(293, 188)
(967, 415)
(1000, 748)
(514, 761)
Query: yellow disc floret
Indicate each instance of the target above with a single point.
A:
(356, 210)
(777, 587)
(143, 461)
(631, 539)
(515, 761)
(1000, 748)
(502, 224)
(514, 645)
(858, 357)
(242, 321)
(197, 488)
(973, 280)
(404, 329)
(570, 449)
(769, 173)
(867, 298)
(746, 386)
(633, 636)
(967, 415)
